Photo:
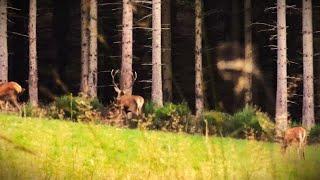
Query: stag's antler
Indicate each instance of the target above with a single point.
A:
(116, 87)
(113, 74)
(134, 78)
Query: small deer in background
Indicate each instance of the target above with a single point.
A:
(295, 135)
(129, 103)
(10, 91)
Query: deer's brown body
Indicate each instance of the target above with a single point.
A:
(9, 92)
(125, 101)
(131, 103)
(296, 135)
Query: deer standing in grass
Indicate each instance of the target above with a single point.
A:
(10, 91)
(127, 102)
(295, 135)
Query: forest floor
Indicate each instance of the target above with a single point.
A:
(32, 148)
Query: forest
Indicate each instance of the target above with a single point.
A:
(209, 69)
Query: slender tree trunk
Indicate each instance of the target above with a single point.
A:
(156, 93)
(166, 50)
(281, 99)
(93, 58)
(3, 42)
(126, 64)
(84, 46)
(198, 59)
(248, 50)
(33, 67)
(308, 120)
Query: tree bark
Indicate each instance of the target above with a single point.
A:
(4, 43)
(156, 94)
(281, 97)
(308, 120)
(199, 96)
(166, 50)
(93, 58)
(33, 67)
(248, 50)
(84, 88)
(126, 63)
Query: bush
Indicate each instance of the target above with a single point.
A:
(76, 108)
(170, 117)
(149, 108)
(216, 122)
(30, 111)
(314, 134)
(250, 121)
(246, 123)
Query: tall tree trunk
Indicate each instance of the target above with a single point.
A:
(308, 120)
(248, 50)
(93, 58)
(281, 99)
(33, 67)
(166, 50)
(126, 63)
(156, 94)
(3, 40)
(84, 46)
(199, 96)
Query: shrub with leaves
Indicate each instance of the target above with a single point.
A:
(149, 108)
(250, 119)
(77, 108)
(216, 122)
(314, 134)
(170, 117)
(31, 111)
(249, 122)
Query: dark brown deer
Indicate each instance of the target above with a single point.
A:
(127, 102)
(10, 91)
(295, 135)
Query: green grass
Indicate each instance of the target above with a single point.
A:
(53, 149)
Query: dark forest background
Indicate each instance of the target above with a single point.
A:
(58, 44)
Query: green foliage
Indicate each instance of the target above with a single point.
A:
(314, 134)
(50, 149)
(251, 120)
(30, 111)
(247, 122)
(76, 108)
(149, 107)
(216, 121)
(170, 117)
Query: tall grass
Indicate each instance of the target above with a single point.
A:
(50, 149)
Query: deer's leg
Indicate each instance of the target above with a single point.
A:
(6, 105)
(14, 101)
(301, 149)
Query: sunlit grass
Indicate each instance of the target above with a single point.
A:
(52, 149)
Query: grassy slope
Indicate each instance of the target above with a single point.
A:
(80, 151)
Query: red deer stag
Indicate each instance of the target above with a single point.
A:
(297, 135)
(128, 103)
(10, 91)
